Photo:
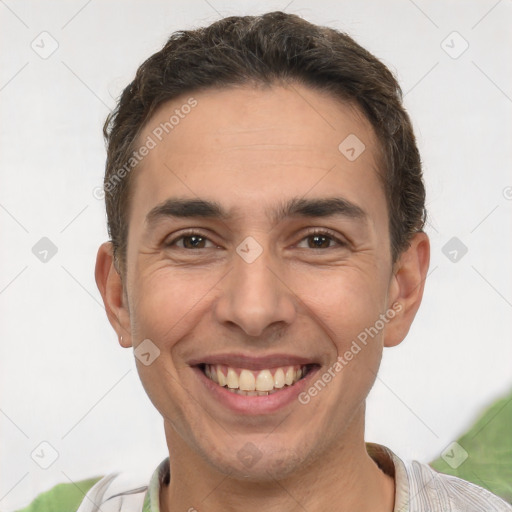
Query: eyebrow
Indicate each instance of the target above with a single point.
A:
(199, 208)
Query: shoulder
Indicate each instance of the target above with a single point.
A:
(116, 492)
(64, 497)
(131, 490)
(449, 493)
(113, 492)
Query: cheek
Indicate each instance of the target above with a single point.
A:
(167, 303)
(344, 301)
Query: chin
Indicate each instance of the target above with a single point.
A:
(257, 461)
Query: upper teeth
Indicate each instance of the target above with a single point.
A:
(247, 380)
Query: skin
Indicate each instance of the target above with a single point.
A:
(250, 149)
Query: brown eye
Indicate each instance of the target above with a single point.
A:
(190, 241)
(193, 242)
(319, 241)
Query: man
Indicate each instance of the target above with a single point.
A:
(266, 208)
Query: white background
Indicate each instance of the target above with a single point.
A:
(65, 380)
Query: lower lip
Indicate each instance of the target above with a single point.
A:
(255, 405)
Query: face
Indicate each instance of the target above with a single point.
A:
(258, 254)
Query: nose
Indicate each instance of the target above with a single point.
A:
(255, 296)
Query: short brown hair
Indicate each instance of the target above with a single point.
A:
(272, 48)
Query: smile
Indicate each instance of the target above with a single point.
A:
(255, 383)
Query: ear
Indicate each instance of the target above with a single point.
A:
(406, 288)
(110, 285)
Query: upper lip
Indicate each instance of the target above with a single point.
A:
(253, 363)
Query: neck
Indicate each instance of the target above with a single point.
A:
(343, 474)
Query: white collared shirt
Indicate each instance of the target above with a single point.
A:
(418, 488)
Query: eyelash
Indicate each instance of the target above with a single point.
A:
(315, 232)
(326, 233)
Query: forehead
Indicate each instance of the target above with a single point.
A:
(248, 145)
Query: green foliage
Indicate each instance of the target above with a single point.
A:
(61, 498)
(489, 446)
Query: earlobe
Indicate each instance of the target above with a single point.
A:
(406, 288)
(110, 285)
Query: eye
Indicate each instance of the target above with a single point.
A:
(319, 239)
(190, 240)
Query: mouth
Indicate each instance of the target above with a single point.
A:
(261, 382)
